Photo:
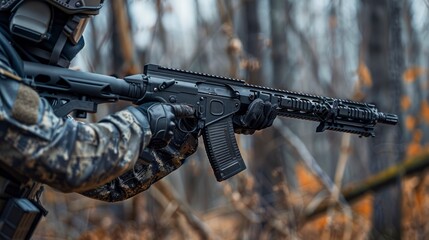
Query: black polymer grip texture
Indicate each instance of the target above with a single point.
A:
(222, 149)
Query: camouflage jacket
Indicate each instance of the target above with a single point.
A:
(108, 160)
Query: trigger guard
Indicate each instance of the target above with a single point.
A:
(183, 128)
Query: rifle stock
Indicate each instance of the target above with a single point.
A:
(215, 99)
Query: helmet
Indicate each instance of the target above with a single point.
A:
(87, 7)
(53, 27)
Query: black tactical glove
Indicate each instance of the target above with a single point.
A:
(259, 115)
(181, 146)
(162, 120)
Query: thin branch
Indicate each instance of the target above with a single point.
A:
(341, 166)
(306, 45)
(249, 214)
(164, 193)
(119, 10)
(311, 163)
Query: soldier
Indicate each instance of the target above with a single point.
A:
(111, 160)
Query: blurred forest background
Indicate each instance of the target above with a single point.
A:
(299, 184)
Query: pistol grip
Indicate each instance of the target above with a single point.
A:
(222, 149)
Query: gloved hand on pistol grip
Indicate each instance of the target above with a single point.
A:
(259, 115)
(162, 120)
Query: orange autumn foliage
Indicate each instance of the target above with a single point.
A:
(412, 73)
(424, 111)
(410, 123)
(307, 182)
(364, 75)
(415, 206)
(405, 103)
(415, 147)
(364, 81)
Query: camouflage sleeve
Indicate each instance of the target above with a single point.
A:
(63, 153)
(99, 160)
(151, 167)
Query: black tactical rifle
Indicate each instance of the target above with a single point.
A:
(216, 100)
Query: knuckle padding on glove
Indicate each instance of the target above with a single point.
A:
(253, 117)
(161, 120)
(267, 117)
(259, 115)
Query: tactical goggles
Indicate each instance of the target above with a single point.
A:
(32, 19)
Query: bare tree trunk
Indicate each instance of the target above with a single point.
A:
(252, 42)
(253, 48)
(282, 72)
(383, 53)
(267, 156)
(280, 10)
(122, 44)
